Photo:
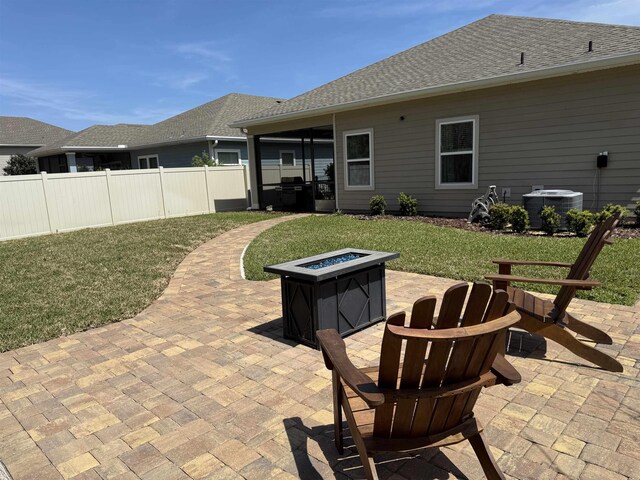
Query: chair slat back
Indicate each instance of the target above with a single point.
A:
(587, 257)
(437, 364)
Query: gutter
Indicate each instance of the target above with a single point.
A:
(66, 148)
(21, 145)
(80, 148)
(507, 79)
(186, 140)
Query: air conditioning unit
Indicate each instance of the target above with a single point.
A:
(562, 200)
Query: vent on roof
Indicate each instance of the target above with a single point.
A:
(521, 58)
(590, 46)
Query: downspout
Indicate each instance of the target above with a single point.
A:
(212, 145)
(335, 164)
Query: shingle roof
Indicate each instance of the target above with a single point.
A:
(211, 119)
(96, 136)
(484, 49)
(29, 132)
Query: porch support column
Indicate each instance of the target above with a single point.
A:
(71, 162)
(255, 171)
(314, 187)
(304, 164)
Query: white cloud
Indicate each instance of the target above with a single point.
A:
(405, 8)
(179, 81)
(624, 12)
(208, 56)
(206, 50)
(74, 104)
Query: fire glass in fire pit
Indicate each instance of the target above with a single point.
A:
(329, 262)
(343, 289)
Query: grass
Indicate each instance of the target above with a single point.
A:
(447, 252)
(59, 284)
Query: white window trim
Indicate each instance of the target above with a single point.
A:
(147, 157)
(350, 133)
(292, 152)
(474, 161)
(228, 150)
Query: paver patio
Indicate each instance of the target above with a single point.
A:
(201, 385)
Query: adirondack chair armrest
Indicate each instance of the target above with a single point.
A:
(504, 261)
(335, 356)
(505, 372)
(564, 282)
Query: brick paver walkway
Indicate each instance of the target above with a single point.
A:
(201, 385)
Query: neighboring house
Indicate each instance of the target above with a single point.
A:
(512, 101)
(94, 148)
(20, 135)
(170, 143)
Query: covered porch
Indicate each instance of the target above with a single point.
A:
(85, 161)
(293, 169)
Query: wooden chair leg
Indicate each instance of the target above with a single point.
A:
(588, 331)
(571, 343)
(337, 412)
(488, 463)
(367, 461)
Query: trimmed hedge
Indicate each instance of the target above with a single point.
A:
(377, 205)
(550, 219)
(408, 205)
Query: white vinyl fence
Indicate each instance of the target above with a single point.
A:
(49, 203)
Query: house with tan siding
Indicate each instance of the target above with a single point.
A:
(516, 102)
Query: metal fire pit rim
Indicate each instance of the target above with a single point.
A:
(294, 269)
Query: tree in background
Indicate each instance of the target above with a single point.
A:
(202, 160)
(20, 165)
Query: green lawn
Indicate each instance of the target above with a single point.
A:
(446, 252)
(59, 284)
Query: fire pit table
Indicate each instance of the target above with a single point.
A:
(343, 289)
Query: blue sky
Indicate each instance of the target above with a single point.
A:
(75, 63)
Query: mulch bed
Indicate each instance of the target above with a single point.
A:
(624, 231)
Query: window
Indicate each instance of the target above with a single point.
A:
(228, 157)
(85, 163)
(457, 152)
(287, 157)
(358, 159)
(148, 161)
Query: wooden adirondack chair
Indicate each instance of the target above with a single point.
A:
(428, 399)
(550, 319)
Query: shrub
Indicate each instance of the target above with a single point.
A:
(377, 204)
(408, 205)
(579, 222)
(20, 165)
(499, 214)
(330, 172)
(609, 210)
(550, 219)
(636, 212)
(202, 160)
(519, 218)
